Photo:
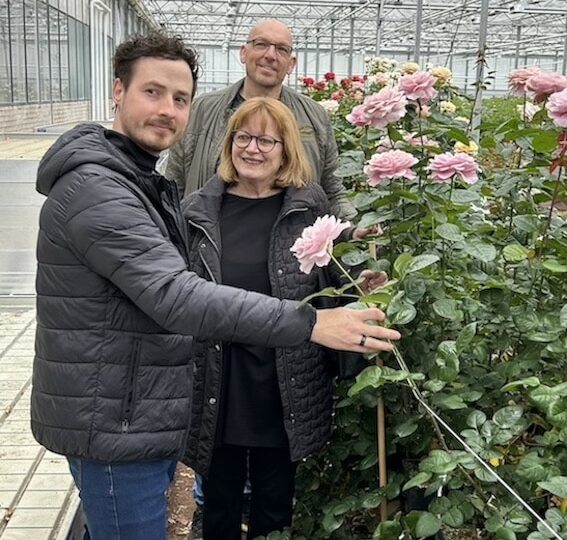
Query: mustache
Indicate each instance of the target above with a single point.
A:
(163, 124)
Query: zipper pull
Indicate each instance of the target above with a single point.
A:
(125, 426)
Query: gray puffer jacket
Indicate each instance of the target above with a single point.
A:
(305, 382)
(116, 307)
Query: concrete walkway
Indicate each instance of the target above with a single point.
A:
(37, 497)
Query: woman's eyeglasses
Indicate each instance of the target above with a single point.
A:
(265, 143)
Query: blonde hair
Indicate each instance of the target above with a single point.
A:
(295, 170)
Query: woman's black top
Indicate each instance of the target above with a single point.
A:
(251, 409)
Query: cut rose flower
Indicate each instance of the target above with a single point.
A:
(446, 166)
(390, 164)
(315, 245)
(418, 86)
(357, 116)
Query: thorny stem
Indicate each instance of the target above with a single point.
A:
(550, 213)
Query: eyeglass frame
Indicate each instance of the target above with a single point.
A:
(255, 137)
(281, 48)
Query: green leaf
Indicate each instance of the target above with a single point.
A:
(438, 462)
(406, 428)
(556, 485)
(418, 480)
(450, 232)
(414, 288)
(453, 517)
(369, 377)
(448, 309)
(545, 141)
(421, 261)
(554, 266)
(387, 530)
(372, 500)
(563, 316)
(515, 253)
(451, 402)
(400, 312)
(493, 523)
(331, 522)
(401, 264)
(532, 468)
(458, 135)
(464, 196)
(354, 257)
(427, 525)
(476, 419)
(508, 416)
(369, 219)
(529, 382)
(527, 223)
(505, 534)
(394, 134)
(465, 337)
(481, 251)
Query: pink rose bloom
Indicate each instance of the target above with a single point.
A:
(446, 166)
(357, 85)
(357, 117)
(415, 140)
(330, 76)
(557, 108)
(545, 84)
(385, 107)
(418, 85)
(518, 78)
(338, 95)
(390, 164)
(424, 111)
(357, 95)
(315, 245)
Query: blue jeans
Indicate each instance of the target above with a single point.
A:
(124, 501)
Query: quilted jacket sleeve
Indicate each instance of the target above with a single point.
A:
(113, 234)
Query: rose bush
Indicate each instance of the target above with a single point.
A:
(475, 245)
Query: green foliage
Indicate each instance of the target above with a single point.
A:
(478, 291)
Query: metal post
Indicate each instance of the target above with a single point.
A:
(305, 53)
(379, 27)
(332, 51)
(477, 108)
(351, 42)
(518, 38)
(317, 53)
(418, 17)
(564, 68)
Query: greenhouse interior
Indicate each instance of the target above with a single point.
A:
(401, 163)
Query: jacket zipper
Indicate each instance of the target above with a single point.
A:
(207, 267)
(277, 286)
(128, 410)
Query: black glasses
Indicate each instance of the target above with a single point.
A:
(261, 45)
(265, 143)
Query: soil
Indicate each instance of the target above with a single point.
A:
(181, 505)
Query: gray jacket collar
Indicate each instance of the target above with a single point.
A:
(230, 94)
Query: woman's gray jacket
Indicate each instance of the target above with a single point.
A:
(304, 380)
(116, 306)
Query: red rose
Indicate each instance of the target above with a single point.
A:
(330, 76)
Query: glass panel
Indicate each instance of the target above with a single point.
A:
(44, 58)
(64, 54)
(54, 54)
(18, 59)
(32, 68)
(5, 72)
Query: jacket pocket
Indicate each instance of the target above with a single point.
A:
(129, 403)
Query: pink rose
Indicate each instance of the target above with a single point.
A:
(385, 107)
(358, 117)
(418, 85)
(308, 81)
(557, 108)
(390, 164)
(424, 111)
(445, 166)
(338, 95)
(545, 84)
(518, 78)
(315, 245)
(330, 76)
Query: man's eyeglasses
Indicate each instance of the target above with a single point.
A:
(261, 45)
(265, 143)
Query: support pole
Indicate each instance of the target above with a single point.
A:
(518, 38)
(351, 42)
(418, 18)
(317, 53)
(332, 51)
(379, 27)
(481, 59)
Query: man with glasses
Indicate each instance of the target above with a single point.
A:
(268, 57)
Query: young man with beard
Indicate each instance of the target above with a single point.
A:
(117, 305)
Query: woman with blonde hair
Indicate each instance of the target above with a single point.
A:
(255, 407)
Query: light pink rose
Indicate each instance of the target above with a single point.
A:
(557, 108)
(518, 78)
(390, 164)
(418, 85)
(385, 107)
(446, 166)
(545, 84)
(357, 116)
(424, 111)
(315, 245)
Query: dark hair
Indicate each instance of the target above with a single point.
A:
(156, 44)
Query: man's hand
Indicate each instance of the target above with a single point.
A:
(372, 280)
(355, 330)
